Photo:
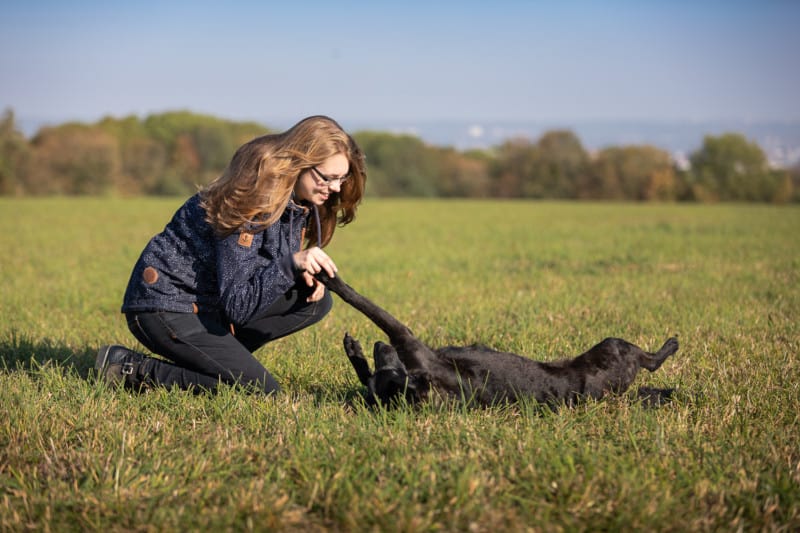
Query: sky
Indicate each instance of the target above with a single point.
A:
(367, 61)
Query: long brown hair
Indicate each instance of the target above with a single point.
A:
(258, 182)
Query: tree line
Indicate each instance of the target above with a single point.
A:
(172, 153)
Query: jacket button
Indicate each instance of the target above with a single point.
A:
(150, 275)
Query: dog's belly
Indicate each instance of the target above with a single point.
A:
(489, 376)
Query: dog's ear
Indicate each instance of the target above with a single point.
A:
(385, 356)
(390, 384)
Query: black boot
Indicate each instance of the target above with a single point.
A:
(117, 365)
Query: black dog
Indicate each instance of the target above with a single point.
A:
(409, 368)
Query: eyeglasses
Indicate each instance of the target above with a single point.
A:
(328, 180)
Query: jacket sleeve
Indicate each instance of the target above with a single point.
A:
(249, 280)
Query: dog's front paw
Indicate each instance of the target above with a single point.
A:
(352, 347)
(353, 350)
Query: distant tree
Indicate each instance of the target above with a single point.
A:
(214, 147)
(784, 190)
(551, 168)
(198, 146)
(74, 159)
(15, 156)
(125, 130)
(560, 163)
(462, 175)
(171, 153)
(398, 165)
(242, 132)
(185, 164)
(729, 167)
(631, 173)
(142, 158)
(514, 162)
(167, 127)
(789, 188)
(144, 163)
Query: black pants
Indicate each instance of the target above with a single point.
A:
(204, 352)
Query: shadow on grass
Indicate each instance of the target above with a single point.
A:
(24, 354)
(648, 397)
(652, 397)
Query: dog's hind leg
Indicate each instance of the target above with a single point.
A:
(652, 361)
(612, 365)
(389, 324)
(414, 353)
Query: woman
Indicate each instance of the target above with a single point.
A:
(234, 267)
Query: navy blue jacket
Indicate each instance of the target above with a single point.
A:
(187, 268)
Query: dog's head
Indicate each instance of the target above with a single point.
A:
(391, 379)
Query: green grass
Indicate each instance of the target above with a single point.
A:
(542, 279)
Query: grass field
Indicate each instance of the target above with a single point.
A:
(541, 279)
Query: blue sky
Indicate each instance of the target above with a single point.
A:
(411, 60)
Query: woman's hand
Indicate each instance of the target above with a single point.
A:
(312, 261)
(319, 288)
